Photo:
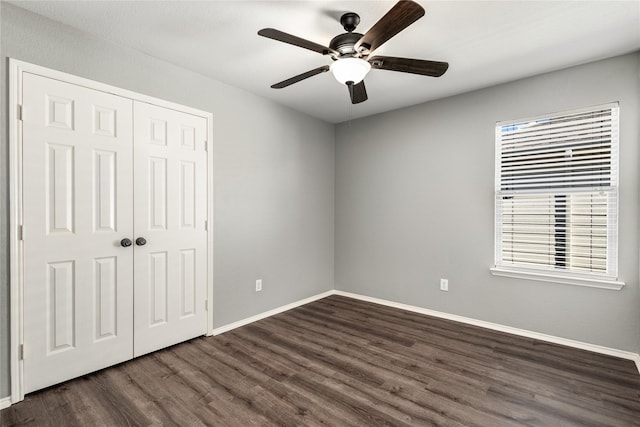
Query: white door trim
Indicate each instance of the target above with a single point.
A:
(16, 262)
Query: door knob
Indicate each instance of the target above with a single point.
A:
(140, 241)
(125, 243)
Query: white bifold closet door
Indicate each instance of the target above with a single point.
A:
(170, 205)
(77, 195)
(98, 169)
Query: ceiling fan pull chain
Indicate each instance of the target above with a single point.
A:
(350, 113)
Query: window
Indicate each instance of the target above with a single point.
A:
(557, 197)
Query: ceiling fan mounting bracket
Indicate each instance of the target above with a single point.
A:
(350, 21)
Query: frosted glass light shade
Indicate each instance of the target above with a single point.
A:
(350, 70)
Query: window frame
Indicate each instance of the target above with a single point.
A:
(607, 280)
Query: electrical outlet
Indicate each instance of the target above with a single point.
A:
(258, 285)
(444, 285)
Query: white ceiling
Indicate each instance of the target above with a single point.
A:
(485, 43)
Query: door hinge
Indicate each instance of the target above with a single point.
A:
(206, 225)
(206, 146)
(21, 232)
(19, 112)
(21, 352)
(206, 305)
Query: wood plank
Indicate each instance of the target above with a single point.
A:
(344, 362)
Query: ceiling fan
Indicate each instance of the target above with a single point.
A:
(350, 51)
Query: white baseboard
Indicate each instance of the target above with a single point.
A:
(635, 357)
(228, 327)
(5, 402)
(637, 360)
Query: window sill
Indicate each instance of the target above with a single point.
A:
(602, 283)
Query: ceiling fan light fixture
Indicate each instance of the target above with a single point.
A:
(350, 70)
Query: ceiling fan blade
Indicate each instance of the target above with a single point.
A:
(300, 77)
(403, 14)
(357, 92)
(274, 34)
(407, 65)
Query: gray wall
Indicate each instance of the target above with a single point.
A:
(415, 203)
(274, 171)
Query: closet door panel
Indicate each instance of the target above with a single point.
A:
(170, 212)
(77, 199)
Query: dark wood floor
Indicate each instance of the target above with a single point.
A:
(344, 362)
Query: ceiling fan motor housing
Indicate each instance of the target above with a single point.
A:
(344, 43)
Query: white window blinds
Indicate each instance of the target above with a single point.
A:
(556, 192)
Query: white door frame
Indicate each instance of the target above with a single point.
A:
(16, 254)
